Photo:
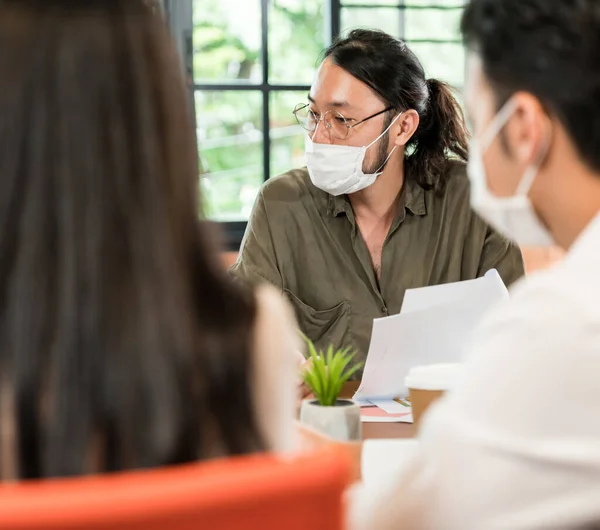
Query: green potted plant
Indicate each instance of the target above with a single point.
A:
(325, 376)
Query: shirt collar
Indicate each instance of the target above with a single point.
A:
(412, 198)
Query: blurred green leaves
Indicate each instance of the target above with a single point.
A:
(328, 372)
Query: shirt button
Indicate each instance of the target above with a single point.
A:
(384, 310)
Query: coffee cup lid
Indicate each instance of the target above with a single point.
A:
(433, 376)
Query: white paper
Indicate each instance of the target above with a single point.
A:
(484, 291)
(363, 402)
(390, 406)
(387, 419)
(435, 327)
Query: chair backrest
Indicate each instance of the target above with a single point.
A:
(262, 492)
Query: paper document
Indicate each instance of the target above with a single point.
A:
(483, 292)
(435, 326)
(391, 406)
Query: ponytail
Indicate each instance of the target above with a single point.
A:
(442, 134)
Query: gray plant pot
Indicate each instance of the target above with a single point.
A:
(341, 422)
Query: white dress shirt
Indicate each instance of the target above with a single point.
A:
(517, 444)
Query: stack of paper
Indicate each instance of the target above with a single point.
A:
(434, 326)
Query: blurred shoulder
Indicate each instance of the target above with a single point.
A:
(274, 316)
(455, 192)
(276, 354)
(458, 182)
(548, 304)
(269, 300)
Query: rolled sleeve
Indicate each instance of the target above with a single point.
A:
(257, 260)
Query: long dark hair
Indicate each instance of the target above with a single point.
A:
(123, 344)
(394, 73)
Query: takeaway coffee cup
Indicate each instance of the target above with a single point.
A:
(426, 384)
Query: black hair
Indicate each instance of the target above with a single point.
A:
(394, 73)
(550, 49)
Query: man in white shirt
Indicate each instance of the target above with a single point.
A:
(517, 445)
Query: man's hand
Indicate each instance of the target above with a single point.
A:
(303, 391)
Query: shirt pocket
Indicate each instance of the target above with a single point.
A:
(326, 326)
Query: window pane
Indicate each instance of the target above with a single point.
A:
(442, 61)
(441, 24)
(230, 141)
(441, 3)
(287, 137)
(296, 38)
(369, 2)
(385, 19)
(227, 41)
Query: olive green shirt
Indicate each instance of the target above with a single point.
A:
(306, 242)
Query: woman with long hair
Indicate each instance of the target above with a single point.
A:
(123, 343)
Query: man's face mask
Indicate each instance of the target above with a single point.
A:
(338, 169)
(514, 216)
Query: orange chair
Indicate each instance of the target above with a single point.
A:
(262, 492)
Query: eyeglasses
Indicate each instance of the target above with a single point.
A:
(336, 125)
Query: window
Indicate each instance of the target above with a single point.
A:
(250, 62)
(429, 27)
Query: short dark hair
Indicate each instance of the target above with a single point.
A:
(394, 73)
(549, 48)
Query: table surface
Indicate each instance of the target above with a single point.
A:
(379, 430)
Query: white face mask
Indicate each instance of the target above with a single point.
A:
(338, 169)
(514, 216)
